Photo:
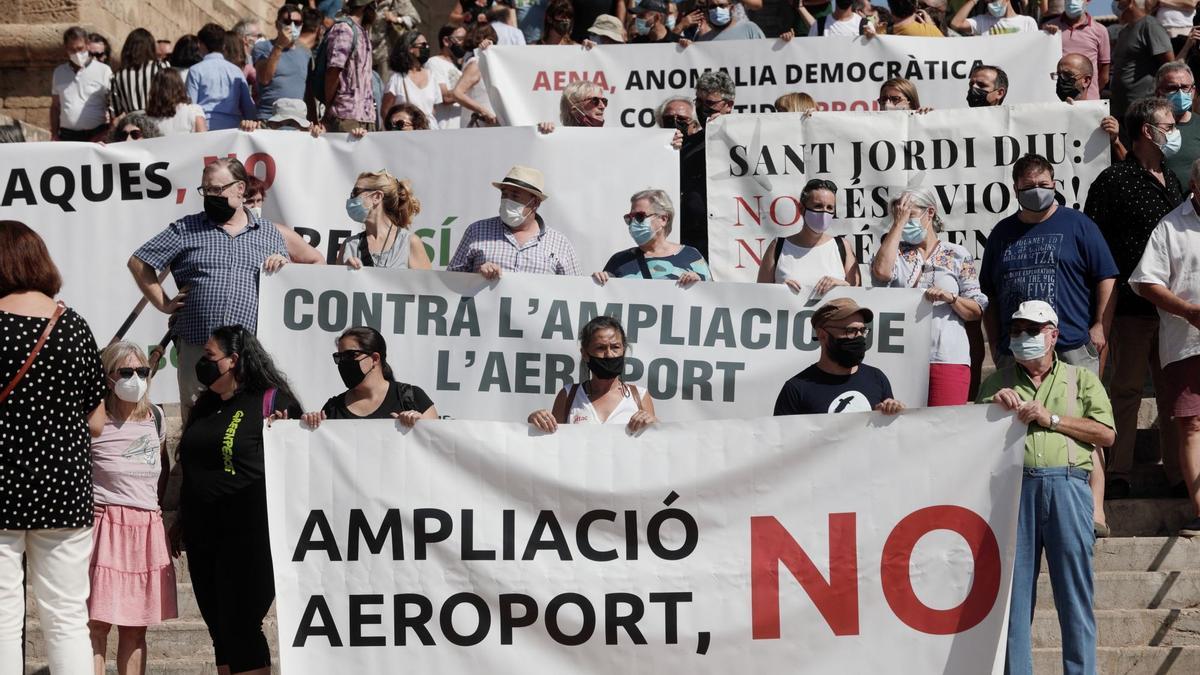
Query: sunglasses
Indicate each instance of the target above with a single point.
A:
(676, 122)
(358, 191)
(135, 134)
(126, 373)
(596, 100)
(349, 355)
(630, 217)
(1030, 331)
(97, 55)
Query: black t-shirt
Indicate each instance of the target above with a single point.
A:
(649, 38)
(222, 447)
(586, 12)
(814, 391)
(693, 188)
(400, 398)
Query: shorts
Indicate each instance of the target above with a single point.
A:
(1183, 382)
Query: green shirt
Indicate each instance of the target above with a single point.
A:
(1189, 150)
(1045, 448)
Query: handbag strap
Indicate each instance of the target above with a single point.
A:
(37, 347)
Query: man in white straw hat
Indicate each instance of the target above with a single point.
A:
(517, 240)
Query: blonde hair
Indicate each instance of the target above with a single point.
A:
(111, 358)
(399, 202)
(904, 87)
(797, 101)
(572, 94)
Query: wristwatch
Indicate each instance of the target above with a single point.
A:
(1054, 420)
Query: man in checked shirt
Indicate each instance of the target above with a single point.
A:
(518, 240)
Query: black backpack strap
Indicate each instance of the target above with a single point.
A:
(777, 250)
(408, 398)
(158, 419)
(364, 252)
(821, 26)
(570, 401)
(841, 245)
(641, 261)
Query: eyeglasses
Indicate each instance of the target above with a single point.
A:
(713, 104)
(1170, 88)
(676, 122)
(894, 100)
(294, 25)
(596, 100)
(360, 190)
(349, 355)
(125, 373)
(630, 217)
(848, 331)
(1031, 331)
(135, 134)
(97, 55)
(1170, 126)
(400, 124)
(214, 190)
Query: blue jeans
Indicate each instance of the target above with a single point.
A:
(1055, 516)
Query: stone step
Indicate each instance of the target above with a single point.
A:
(1136, 590)
(1147, 517)
(1145, 554)
(1127, 661)
(1128, 628)
(166, 641)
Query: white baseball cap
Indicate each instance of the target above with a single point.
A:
(1036, 311)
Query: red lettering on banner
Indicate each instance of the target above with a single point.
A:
(897, 582)
(755, 256)
(836, 599)
(795, 210)
(755, 213)
(251, 164)
(541, 81)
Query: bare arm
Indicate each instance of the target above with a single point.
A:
(265, 68)
(298, 249)
(55, 113)
(389, 99)
(430, 413)
(1106, 304)
(148, 283)
(1162, 297)
(1102, 76)
(766, 268)
(884, 264)
(966, 308)
(1181, 5)
(991, 327)
(1087, 431)
(96, 420)
(418, 257)
(201, 125)
(469, 79)
(959, 22)
(853, 276)
(332, 76)
(560, 406)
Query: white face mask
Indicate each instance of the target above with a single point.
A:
(256, 210)
(512, 213)
(131, 389)
(81, 58)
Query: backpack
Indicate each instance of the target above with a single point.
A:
(316, 82)
(777, 249)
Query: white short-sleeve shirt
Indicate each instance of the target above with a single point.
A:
(1172, 259)
(82, 95)
(986, 24)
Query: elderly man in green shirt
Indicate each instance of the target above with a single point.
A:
(1068, 413)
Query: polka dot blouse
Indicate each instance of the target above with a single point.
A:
(45, 470)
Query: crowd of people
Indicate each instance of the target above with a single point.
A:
(1077, 306)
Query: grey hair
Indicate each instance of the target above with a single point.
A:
(572, 94)
(140, 120)
(924, 199)
(1172, 67)
(662, 107)
(716, 82)
(660, 201)
(242, 27)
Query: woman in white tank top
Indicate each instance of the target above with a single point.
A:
(603, 398)
(811, 261)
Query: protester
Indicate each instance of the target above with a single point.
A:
(169, 107)
(405, 117)
(132, 576)
(139, 65)
(1073, 78)
(649, 220)
(796, 101)
(843, 21)
(394, 19)
(222, 518)
(603, 398)
(530, 16)
(582, 105)
(411, 81)
(372, 391)
(281, 65)
(987, 86)
(650, 23)
(249, 34)
(606, 30)
(162, 50)
(386, 207)
(1068, 414)
(215, 257)
(911, 21)
(811, 262)
(218, 86)
(839, 382)
(133, 127)
(499, 17)
(79, 92)
(1127, 200)
(443, 67)
(1176, 83)
(559, 24)
(912, 256)
(727, 23)
(288, 114)
(298, 249)
(100, 48)
(1001, 19)
(347, 92)
(678, 113)
(1140, 48)
(715, 94)
(187, 53)
(470, 92)
(585, 13)
(1084, 36)
(899, 94)
(518, 240)
(1166, 276)
(52, 392)
(1178, 19)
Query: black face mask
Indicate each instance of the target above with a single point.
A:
(218, 209)
(423, 53)
(977, 98)
(457, 51)
(848, 352)
(207, 371)
(351, 372)
(1066, 89)
(563, 26)
(606, 368)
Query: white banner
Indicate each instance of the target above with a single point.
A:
(816, 544)
(758, 164)
(841, 73)
(500, 350)
(94, 205)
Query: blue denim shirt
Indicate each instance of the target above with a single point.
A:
(220, 88)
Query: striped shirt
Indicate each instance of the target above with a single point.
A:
(220, 271)
(491, 241)
(131, 88)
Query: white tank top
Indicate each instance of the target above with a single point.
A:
(582, 411)
(807, 265)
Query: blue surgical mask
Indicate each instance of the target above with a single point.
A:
(641, 26)
(997, 9)
(670, 22)
(1074, 8)
(357, 210)
(1171, 142)
(294, 30)
(913, 232)
(641, 230)
(1028, 347)
(1181, 101)
(719, 16)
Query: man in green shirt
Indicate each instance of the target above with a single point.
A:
(1068, 413)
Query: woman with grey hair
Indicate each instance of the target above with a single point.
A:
(912, 256)
(133, 127)
(582, 105)
(649, 220)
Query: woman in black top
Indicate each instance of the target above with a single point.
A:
(45, 465)
(373, 392)
(223, 506)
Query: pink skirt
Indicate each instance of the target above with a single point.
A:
(133, 578)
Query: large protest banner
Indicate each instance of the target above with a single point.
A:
(841, 73)
(758, 164)
(810, 544)
(498, 351)
(94, 205)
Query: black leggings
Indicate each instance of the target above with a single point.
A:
(229, 558)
